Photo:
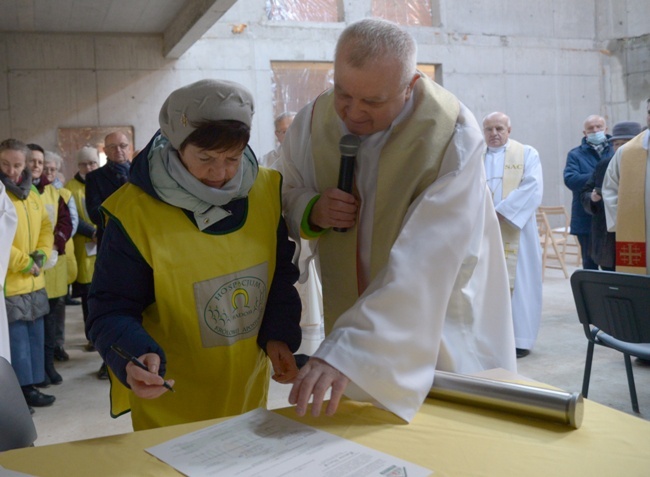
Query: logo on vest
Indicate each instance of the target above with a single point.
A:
(231, 308)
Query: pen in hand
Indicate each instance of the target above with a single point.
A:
(128, 356)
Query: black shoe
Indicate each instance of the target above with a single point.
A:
(31, 409)
(522, 353)
(60, 354)
(35, 398)
(55, 378)
(642, 362)
(89, 347)
(71, 301)
(103, 372)
(45, 383)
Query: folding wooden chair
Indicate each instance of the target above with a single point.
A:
(553, 244)
(570, 245)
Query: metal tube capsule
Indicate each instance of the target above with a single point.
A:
(546, 404)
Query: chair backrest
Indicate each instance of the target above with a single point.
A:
(616, 303)
(16, 425)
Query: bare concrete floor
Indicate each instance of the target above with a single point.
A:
(81, 408)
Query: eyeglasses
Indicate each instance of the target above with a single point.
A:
(115, 146)
(49, 169)
(86, 164)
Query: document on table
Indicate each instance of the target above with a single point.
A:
(262, 443)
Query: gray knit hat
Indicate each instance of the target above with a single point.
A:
(205, 100)
(87, 154)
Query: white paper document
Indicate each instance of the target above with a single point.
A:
(91, 249)
(265, 444)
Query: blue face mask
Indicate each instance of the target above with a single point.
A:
(597, 137)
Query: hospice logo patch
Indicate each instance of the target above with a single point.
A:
(231, 308)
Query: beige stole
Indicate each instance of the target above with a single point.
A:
(409, 162)
(513, 171)
(630, 216)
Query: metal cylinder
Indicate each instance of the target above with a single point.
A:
(546, 404)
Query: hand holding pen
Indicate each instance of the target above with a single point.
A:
(140, 385)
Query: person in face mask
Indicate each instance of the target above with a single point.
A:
(580, 164)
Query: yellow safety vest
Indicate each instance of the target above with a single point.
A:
(211, 291)
(56, 278)
(71, 260)
(85, 263)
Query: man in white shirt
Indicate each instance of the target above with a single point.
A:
(418, 281)
(514, 175)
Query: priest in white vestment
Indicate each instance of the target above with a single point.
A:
(417, 282)
(514, 175)
(8, 224)
(628, 211)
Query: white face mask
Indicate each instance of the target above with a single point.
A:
(597, 137)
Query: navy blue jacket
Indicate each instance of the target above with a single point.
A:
(122, 289)
(100, 184)
(603, 243)
(580, 164)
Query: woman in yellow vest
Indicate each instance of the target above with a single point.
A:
(56, 272)
(24, 287)
(53, 164)
(85, 240)
(194, 274)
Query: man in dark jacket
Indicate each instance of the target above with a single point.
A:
(101, 183)
(580, 164)
(603, 243)
(107, 179)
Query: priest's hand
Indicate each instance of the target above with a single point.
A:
(334, 208)
(146, 384)
(315, 379)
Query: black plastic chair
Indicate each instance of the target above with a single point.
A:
(17, 428)
(614, 309)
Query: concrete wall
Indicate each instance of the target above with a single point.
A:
(547, 64)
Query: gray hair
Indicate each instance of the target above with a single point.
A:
(51, 156)
(497, 114)
(282, 116)
(12, 144)
(374, 39)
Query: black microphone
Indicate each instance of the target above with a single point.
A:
(348, 145)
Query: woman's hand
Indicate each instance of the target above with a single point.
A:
(284, 363)
(146, 384)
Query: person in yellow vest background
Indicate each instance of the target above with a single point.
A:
(25, 296)
(417, 282)
(85, 240)
(196, 280)
(56, 269)
(626, 195)
(53, 163)
(514, 175)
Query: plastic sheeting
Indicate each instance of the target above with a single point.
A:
(303, 10)
(409, 12)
